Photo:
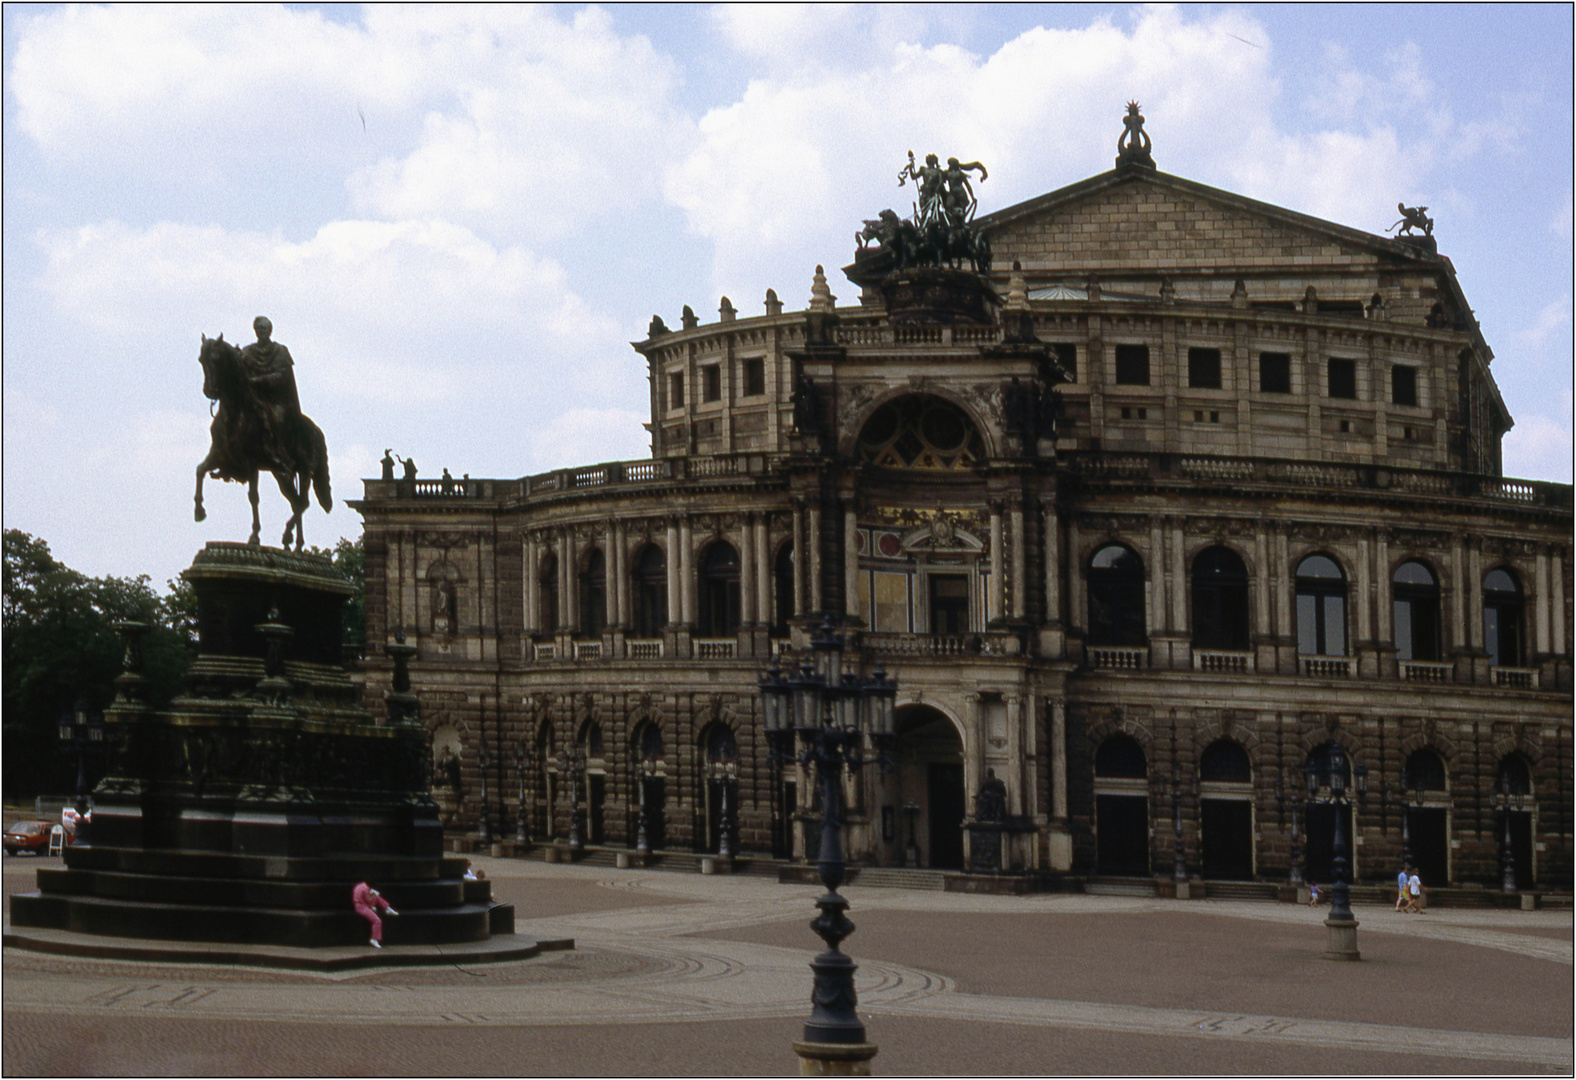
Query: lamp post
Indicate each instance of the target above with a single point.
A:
(82, 729)
(1507, 801)
(1340, 927)
(911, 855)
(830, 713)
(572, 764)
(723, 773)
(483, 760)
(522, 761)
(649, 769)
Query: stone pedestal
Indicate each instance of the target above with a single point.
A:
(834, 1059)
(249, 808)
(1340, 942)
(930, 295)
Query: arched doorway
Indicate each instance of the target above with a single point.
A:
(930, 777)
(1320, 816)
(1121, 808)
(1226, 811)
(1428, 816)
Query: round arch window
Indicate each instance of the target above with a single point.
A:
(921, 431)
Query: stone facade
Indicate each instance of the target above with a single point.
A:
(1269, 516)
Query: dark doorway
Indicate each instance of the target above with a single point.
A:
(1228, 839)
(1122, 835)
(947, 808)
(655, 788)
(594, 812)
(1430, 840)
(1321, 842)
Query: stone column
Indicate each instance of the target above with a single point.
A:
(813, 547)
(1019, 610)
(1383, 607)
(532, 587)
(620, 560)
(1541, 605)
(763, 573)
(1262, 581)
(851, 606)
(675, 575)
(1061, 843)
(1053, 563)
(1474, 621)
(1016, 802)
(1077, 615)
(798, 559)
(747, 572)
(1178, 582)
(1155, 601)
(1285, 628)
(567, 593)
(1362, 612)
(1458, 587)
(1557, 600)
(998, 592)
(687, 581)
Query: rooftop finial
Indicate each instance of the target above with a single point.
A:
(1133, 146)
(821, 298)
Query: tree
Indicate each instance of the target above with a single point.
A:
(60, 647)
(350, 559)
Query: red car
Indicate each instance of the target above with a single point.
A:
(27, 836)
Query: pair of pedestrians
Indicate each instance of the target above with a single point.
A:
(1409, 891)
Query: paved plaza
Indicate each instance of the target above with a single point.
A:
(683, 974)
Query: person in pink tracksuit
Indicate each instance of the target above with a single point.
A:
(369, 902)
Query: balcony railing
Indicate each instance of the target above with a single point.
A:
(1326, 667)
(645, 650)
(940, 644)
(1118, 658)
(546, 652)
(715, 648)
(588, 650)
(1517, 678)
(1222, 661)
(1425, 672)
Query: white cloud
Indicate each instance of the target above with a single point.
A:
(1539, 447)
(589, 436)
(1553, 317)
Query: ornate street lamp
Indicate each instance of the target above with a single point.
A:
(830, 713)
(1507, 801)
(522, 761)
(1340, 927)
(82, 729)
(572, 764)
(724, 773)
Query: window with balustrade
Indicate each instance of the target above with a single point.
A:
(1415, 600)
(547, 578)
(1503, 616)
(1220, 600)
(593, 594)
(1116, 597)
(719, 591)
(1321, 607)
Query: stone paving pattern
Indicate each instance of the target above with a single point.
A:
(678, 974)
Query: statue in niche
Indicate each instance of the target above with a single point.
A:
(444, 607)
(1413, 217)
(991, 803)
(806, 405)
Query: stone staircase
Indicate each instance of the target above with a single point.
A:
(1115, 886)
(1240, 890)
(892, 877)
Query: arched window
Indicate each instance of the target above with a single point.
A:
(719, 591)
(1416, 598)
(1425, 771)
(1515, 778)
(548, 578)
(921, 431)
(593, 594)
(649, 591)
(1220, 600)
(782, 583)
(1226, 762)
(1116, 597)
(1321, 607)
(1120, 757)
(1503, 616)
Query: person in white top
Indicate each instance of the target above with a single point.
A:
(1414, 893)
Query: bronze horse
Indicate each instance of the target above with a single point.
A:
(240, 451)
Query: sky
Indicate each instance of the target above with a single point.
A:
(458, 219)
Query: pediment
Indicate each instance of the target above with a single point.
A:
(1139, 220)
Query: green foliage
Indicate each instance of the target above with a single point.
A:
(60, 646)
(350, 559)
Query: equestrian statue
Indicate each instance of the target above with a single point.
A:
(258, 427)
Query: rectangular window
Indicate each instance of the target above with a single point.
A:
(754, 378)
(1066, 353)
(890, 611)
(949, 604)
(1274, 373)
(676, 390)
(711, 384)
(1203, 369)
(1132, 365)
(1342, 378)
(1403, 385)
